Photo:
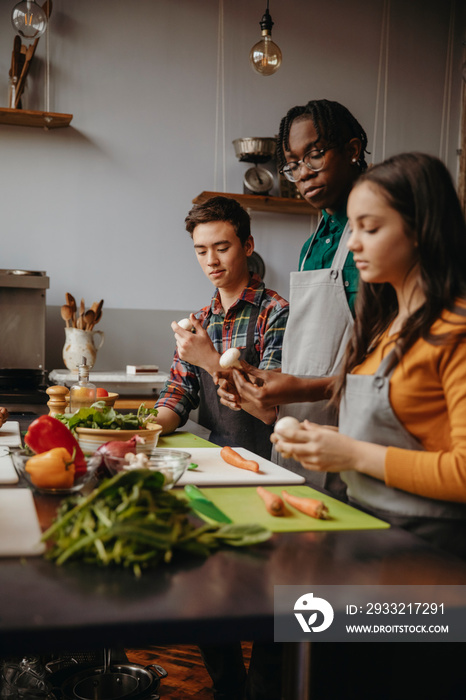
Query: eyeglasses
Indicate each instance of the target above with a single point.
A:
(313, 160)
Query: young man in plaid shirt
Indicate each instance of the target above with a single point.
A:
(242, 314)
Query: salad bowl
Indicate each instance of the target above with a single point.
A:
(100, 423)
(90, 439)
(108, 400)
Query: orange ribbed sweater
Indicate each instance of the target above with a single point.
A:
(428, 395)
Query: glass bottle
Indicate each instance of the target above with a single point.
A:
(83, 393)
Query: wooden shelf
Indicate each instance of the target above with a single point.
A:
(24, 117)
(256, 202)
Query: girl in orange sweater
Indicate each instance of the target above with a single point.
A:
(401, 445)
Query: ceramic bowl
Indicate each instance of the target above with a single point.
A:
(20, 458)
(171, 463)
(90, 439)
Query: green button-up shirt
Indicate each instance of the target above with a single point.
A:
(323, 249)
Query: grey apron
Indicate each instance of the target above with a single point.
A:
(317, 332)
(366, 414)
(234, 428)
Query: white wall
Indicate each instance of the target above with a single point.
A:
(100, 205)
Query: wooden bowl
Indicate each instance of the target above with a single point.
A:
(90, 439)
(109, 400)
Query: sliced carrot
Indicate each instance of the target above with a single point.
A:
(273, 502)
(235, 459)
(308, 506)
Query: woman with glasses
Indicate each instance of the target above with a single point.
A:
(320, 148)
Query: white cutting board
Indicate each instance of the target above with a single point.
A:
(214, 471)
(8, 473)
(19, 526)
(10, 435)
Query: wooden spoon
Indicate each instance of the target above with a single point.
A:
(66, 314)
(98, 311)
(70, 300)
(30, 51)
(89, 318)
(80, 321)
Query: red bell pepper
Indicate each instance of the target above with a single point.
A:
(47, 432)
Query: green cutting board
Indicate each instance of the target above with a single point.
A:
(183, 440)
(243, 505)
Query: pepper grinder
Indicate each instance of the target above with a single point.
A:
(58, 399)
(83, 393)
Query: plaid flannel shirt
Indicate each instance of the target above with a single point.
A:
(181, 391)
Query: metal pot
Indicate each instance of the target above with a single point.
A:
(255, 149)
(117, 682)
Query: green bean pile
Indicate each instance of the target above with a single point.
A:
(130, 521)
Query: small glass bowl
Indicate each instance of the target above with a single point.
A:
(20, 458)
(171, 463)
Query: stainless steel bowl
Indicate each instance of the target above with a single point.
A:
(255, 149)
(124, 681)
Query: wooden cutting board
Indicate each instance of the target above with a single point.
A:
(214, 471)
(243, 505)
(19, 526)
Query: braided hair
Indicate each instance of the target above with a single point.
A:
(333, 123)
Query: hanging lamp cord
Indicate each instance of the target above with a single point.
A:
(220, 102)
(446, 104)
(383, 70)
(47, 62)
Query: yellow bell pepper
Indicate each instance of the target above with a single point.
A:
(52, 470)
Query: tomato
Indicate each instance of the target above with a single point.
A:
(101, 392)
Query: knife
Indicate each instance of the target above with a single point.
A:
(203, 506)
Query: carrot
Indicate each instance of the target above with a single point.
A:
(273, 502)
(308, 506)
(235, 459)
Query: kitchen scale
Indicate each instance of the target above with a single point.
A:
(256, 180)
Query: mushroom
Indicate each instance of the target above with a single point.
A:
(284, 426)
(230, 359)
(186, 324)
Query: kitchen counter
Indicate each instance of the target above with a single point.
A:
(228, 596)
(224, 597)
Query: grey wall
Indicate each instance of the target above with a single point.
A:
(100, 205)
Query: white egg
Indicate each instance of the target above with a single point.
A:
(230, 358)
(186, 324)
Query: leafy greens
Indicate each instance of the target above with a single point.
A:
(130, 521)
(99, 415)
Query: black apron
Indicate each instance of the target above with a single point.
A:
(234, 428)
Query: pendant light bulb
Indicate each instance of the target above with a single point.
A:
(265, 56)
(29, 19)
